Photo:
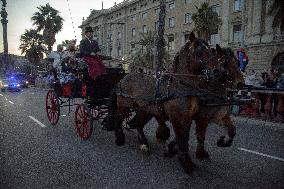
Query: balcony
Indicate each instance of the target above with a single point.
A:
(278, 37)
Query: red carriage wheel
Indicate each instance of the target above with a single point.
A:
(52, 107)
(83, 121)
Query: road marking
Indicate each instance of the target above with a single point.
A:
(37, 121)
(11, 102)
(1, 95)
(261, 154)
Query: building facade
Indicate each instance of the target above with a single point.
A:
(118, 27)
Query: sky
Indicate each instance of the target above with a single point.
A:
(21, 11)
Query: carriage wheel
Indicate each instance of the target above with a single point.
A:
(52, 107)
(83, 121)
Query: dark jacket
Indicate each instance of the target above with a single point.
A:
(87, 47)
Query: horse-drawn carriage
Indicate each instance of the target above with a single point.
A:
(196, 89)
(71, 85)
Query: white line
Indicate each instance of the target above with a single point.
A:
(11, 102)
(265, 155)
(37, 121)
(1, 95)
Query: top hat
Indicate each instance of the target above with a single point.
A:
(88, 29)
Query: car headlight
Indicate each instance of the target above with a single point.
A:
(27, 82)
(18, 85)
(5, 85)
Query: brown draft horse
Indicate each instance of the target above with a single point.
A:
(180, 106)
(214, 111)
(230, 76)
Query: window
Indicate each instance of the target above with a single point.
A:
(119, 52)
(110, 37)
(157, 25)
(187, 1)
(237, 33)
(187, 18)
(216, 8)
(133, 18)
(186, 37)
(144, 29)
(119, 35)
(144, 15)
(172, 5)
(157, 11)
(237, 5)
(171, 44)
(171, 22)
(110, 51)
(133, 32)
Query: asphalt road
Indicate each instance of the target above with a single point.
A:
(38, 155)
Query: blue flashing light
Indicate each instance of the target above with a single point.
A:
(12, 77)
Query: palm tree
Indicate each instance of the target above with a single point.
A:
(144, 55)
(277, 10)
(206, 21)
(32, 46)
(48, 20)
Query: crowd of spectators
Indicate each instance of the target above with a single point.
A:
(270, 80)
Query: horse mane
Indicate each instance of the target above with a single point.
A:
(228, 51)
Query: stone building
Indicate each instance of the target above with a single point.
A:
(118, 27)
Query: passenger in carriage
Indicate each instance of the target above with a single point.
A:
(68, 56)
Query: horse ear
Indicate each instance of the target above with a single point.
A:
(219, 50)
(192, 37)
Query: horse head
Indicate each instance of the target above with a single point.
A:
(194, 57)
(231, 75)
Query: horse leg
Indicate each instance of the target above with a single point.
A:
(200, 131)
(142, 120)
(181, 129)
(163, 133)
(227, 141)
(118, 130)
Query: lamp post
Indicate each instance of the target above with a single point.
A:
(243, 23)
(161, 41)
(4, 22)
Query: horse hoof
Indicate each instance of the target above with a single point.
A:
(201, 154)
(119, 141)
(163, 134)
(186, 163)
(222, 143)
(172, 149)
(145, 148)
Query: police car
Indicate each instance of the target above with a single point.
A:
(9, 84)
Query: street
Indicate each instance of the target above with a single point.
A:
(35, 154)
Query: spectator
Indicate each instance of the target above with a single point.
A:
(271, 79)
(280, 82)
(243, 59)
